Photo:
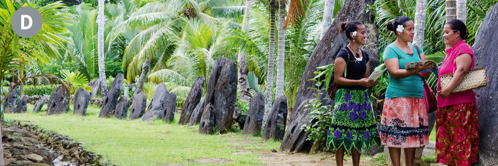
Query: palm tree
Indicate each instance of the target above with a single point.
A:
(243, 88)
(83, 47)
(101, 62)
(281, 49)
(16, 51)
(180, 44)
(273, 6)
(328, 14)
(420, 15)
(450, 10)
(304, 18)
(461, 9)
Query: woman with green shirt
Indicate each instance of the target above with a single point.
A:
(404, 121)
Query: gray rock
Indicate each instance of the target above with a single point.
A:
(239, 119)
(208, 120)
(169, 113)
(33, 99)
(39, 104)
(323, 54)
(121, 111)
(59, 101)
(95, 85)
(96, 101)
(81, 101)
(22, 105)
(138, 106)
(34, 157)
(193, 98)
(111, 99)
(486, 56)
(275, 128)
(9, 105)
(254, 118)
(195, 118)
(222, 92)
(295, 137)
(157, 104)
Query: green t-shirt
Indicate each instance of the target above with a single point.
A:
(411, 86)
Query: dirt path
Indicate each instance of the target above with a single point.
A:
(297, 159)
(281, 158)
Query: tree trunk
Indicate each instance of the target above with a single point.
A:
(21, 76)
(328, 14)
(1, 125)
(143, 77)
(450, 10)
(420, 16)
(101, 62)
(461, 9)
(269, 76)
(281, 50)
(243, 88)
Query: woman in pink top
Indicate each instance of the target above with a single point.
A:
(457, 125)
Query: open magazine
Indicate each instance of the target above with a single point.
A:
(376, 74)
(413, 65)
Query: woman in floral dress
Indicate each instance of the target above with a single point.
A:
(457, 124)
(404, 122)
(353, 125)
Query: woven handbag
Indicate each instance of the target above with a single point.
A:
(474, 79)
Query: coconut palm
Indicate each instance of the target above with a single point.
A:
(101, 62)
(243, 86)
(451, 10)
(328, 14)
(15, 51)
(420, 16)
(186, 35)
(273, 6)
(461, 9)
(302, 37)
(281, 49)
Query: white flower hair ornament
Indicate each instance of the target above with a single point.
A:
(354, 34)
(400, 28)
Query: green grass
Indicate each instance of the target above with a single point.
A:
(381, 159)
(126, 142)
(432, 136)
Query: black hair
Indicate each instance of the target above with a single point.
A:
(392, 26)
(349, 27)
(457, 25)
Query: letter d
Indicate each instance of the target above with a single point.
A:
(30, 20)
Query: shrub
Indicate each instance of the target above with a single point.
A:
(32, 90)
(320, 117)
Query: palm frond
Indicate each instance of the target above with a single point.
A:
(161, 39)
(228, 11)
(181, 93)
(167, 75)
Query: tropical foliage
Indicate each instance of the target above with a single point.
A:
(388, 10)
(183, 38)
(18, 54)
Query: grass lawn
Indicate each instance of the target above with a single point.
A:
(126, 142)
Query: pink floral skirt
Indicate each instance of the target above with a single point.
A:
(404, 123)
(457, 141)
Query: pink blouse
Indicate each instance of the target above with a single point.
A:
(449, 66)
